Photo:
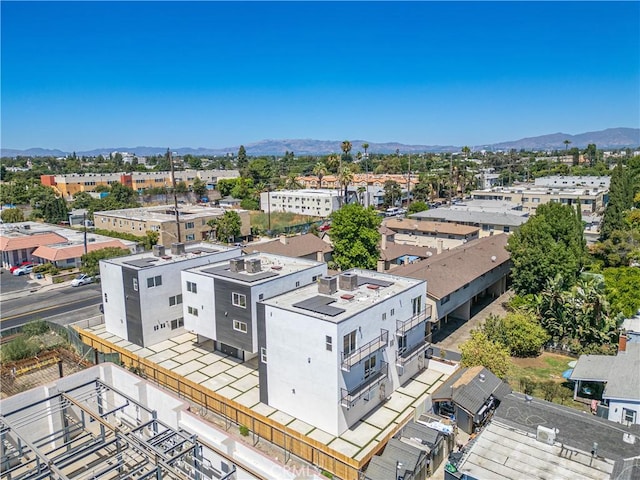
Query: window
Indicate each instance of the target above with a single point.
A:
(349, 343)
(329, 343)
(416, 305)
(261, 296)
(392, 312)
(135, 284)
(193, 311)
(190, 237)
(240, 326)
(384, 316)
(154, 281)
(297, 284)
(239, 300)
(177, 323)
(402, 344)
(192, 287)
(106, 300)
(505, 229)
(263, 355)
(175, 300)
(628, 416)
(369, 366)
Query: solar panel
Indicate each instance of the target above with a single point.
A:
(141, 262)
(320, 304)
(373, 281)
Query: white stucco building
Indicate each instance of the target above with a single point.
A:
(334, 350)
(220, 299)
(317, 203)
(142, 294)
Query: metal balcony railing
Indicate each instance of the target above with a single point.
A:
(349, 397)
(403, 326)
(403, 356)
(349, 359)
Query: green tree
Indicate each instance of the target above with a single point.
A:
(242, 161)
(227, 227)
(519, 331)
(91, 260)
(82, 200)
(150, 239)
(345, 177)
(422, 190)
(346, 151)
(226, 185)
(199, 187)
(259, 170)
(320, 170)
(181, 187)
(392, 193)
(620, 199)
(12, 215)
(551, 243)
(622, 286)
(479, 350)
(417, 206)
(355, 237)
(620, 249)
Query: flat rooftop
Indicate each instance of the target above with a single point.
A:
(372, 287)
(140, 261)
(308, 192)
(544, 190)
(238, 381)
(271, 266)
(514, 218)
(165, 213)
(479, 205)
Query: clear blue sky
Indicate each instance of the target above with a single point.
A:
(83, 75)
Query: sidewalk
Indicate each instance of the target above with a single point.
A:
(36, 286)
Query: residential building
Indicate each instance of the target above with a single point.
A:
(68, 185)
(613, 382)
(394, 253)
(460, 279)
(532, 438)
(142, 294)
(489, 221)
(42, 242)
(470, 396)
(193, 221)
(572, 181)
(334, 350)
(220, 298)
(317, 203)
(306, 246)
(107, 423)
(425, 233)
(359, 180)
(432, 441)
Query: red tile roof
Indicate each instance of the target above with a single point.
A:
(8, 244)
(73, 251)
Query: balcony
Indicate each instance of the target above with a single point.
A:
(349, 397)
(403, 356)
(349, 359)
(403, 326)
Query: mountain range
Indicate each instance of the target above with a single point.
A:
(609, 138)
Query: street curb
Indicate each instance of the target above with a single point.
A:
(35, 289)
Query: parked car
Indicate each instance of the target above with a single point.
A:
(83, 279)
(15, 267)
(24, 270)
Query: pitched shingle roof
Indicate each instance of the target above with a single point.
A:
(447, 272)
(53, 254)
(295, 246)
(29, 241)
(427, 226)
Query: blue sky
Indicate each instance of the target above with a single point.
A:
(83, 75)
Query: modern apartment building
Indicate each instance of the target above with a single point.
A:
(162, 219)
(317, 203)
(142, 294)
(332, 351)
(220, 299)
(69, 184)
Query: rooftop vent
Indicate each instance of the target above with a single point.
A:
(158, 250)
(166, 257)
(482, 377)
(546, 435)
(253, 265)
(276, 267)
(348, 281)
(347, 296)
(236, 264)
(327, 285)
(177, 248)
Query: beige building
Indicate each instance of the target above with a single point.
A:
(162, 219)
(431, 234)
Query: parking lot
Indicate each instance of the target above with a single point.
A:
(10, 283)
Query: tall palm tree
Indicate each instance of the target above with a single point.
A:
(345, 177)
(320, 170)
(346, 149)
(292, 183)
(566, 145)
(466, 150)
(333, 162)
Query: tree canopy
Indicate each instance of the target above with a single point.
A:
(355, 237)
(227, 227)
(519, 331)
(12, 215)
(479, 350)
(91, 260)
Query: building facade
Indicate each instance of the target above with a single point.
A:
(142, 294)
(334, 350)
(431, 234)
(317, 203)
(220, 299)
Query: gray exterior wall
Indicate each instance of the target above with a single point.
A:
(262, 343)
(132, 306)
(226, 313)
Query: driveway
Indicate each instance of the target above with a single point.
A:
(9, 283)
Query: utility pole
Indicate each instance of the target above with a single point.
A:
(409, 184)
(175, 194)
(84, 224)
(450, 178)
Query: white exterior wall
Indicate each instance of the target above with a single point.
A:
(115, 314)
(616, 406)
(204, 301)
(294, 201)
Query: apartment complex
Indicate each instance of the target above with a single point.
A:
(431, 234)
(489, 220)
(359, 180)
(162, 219)
(346, 341)
(220, 299)
(142, 294)
(317, 203)
(69, 184)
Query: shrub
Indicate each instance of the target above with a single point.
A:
(37, 327)
(19, 348)
(549, 390)
(244, 431)
(527, 385)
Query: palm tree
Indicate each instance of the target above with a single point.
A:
(365, 147)
(346, 149)
(333, 162)
(345, 177)
(466, 150)
(292, 183)
(361, 191)
(566, 145)
(320, 170)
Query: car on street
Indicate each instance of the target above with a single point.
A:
(83, 279)
(24, 270)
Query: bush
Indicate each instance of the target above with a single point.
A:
(528, 386)
(45, 268)
(37, 327)
(19, 348)
(244, 431)
(549, 390)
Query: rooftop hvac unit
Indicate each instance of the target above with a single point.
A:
(546, 435)
(177, 248)
(327, 285)
(253, 265)
(348, 281)
(158, 250)
(236, 264)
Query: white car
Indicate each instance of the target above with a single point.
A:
(24, 270)
(81, 280)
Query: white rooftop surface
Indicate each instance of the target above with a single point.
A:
(504, 453)
(487, 206)
(541, 190)
(193, 250)
(363, 296)
(309, 192)
(73, 236)
(164, 213)
(561, 180)
(229, 377)
(277, 264)
(632, 324)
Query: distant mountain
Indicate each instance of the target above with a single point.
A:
(609, 138)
